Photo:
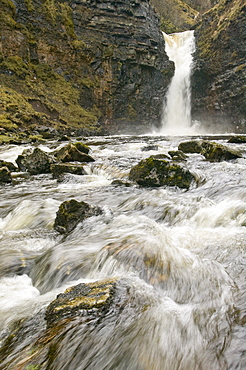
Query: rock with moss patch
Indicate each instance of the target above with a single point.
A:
(95, 296)
(59, 169)
(191, 146)
(34, 161)
(73, 153)
(215, 152)
(155, 172)
(71, 212)
(5, 175)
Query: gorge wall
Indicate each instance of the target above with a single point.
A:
(97, 66)
(219, 79)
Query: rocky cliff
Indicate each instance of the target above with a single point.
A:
(219, 79)
(95, 66)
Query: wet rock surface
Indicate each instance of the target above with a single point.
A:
(59, 169)
(71, 212)
(212, 151)
(73, 153)
(5, 175)
(155, 172)
(35, 162)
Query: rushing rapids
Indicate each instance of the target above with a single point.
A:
(180, 252)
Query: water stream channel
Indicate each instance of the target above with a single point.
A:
(190, 316)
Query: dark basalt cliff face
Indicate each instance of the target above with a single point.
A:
(97, 66)
(219, 79)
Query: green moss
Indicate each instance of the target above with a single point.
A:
(67, 19)
(15, 65)
(29, 5)
(4, 139)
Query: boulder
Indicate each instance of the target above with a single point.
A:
(155, 172)
(83, 148)
(71, 212)
(9, 165)
(215, 152)
(34, 162)
(5, 175)
(57, 169)
(212, 151)
(71, 153)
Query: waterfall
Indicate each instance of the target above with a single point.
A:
(177, 104)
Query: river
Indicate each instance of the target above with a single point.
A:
(196, 315)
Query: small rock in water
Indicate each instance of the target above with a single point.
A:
(35, 161)
(58, 169)
(73, 153)
(149, 147)
(71, 212)
(5, 175)
(238, 139)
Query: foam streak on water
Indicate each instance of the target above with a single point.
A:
(177, 105)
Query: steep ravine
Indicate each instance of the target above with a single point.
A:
(95, 66)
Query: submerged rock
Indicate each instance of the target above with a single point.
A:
(35, 161)
(5, 175)
(71, 212)
(155, 172)
(73, 153)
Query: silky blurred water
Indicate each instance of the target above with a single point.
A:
(182, 252)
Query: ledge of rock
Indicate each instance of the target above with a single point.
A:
(155, 172)
(71, 212)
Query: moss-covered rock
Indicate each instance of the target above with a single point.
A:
(215, 152)
(35, 162)
(212, 151)
(71, 212)
(155, 172)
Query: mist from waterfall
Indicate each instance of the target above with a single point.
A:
(177, 103)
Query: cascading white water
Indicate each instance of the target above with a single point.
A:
(177, 105)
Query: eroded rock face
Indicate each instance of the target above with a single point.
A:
(155, 172)
(71, 212)
(95, 66)
(219, 79)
